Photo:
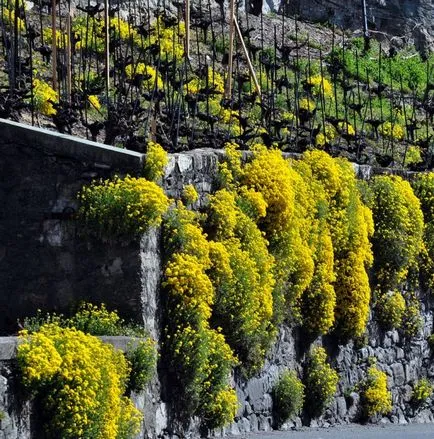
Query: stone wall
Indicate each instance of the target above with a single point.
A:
(411, 19)
(46, 263)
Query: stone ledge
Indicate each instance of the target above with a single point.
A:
(8, 345)
(71, 146)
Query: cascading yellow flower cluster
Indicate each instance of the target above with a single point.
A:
(423, 186)
(81, 382)
(242, 274)
(198, 352)
(399, 228)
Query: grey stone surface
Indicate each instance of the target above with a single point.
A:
(409, 21)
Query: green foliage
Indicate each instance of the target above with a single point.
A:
(143, 361)
(412, 320)
(121, 207)
(288, 396)
(376, 399)
(398, 237)
(90, 319)
(390, 309)
(80, 382)
(422, 390)
(156, 160)
(321, 381)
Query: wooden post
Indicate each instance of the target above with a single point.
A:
(246, 54)
(68, 55)
(54, 44)
(107, 48)
(228, 91)
(187, 28)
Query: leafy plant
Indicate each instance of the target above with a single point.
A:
(288, 396)
(422, 390)
(321, 381)
(399, 226)
(156, 160)
(390, 309)
(143, 361)
(412, 320)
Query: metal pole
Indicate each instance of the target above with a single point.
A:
(228, 91)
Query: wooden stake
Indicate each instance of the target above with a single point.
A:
(187, 28)
(246, 54)
(228, 91)
(54, 44)
(107, 48)
(68, 56)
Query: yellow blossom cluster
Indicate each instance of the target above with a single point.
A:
(376, 398)
(189, 194)
(121, 206)
(391, 130)
(320, 86)
(81, 382)
(151, 78)
(199, 354)
(156, 160)
(399, 228)
(242, 274)
(44, 97)
(321, 381)
(390, 309)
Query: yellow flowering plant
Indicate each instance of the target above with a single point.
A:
(80, 382)
(399, 227)
(376, 398)
(121, 207)
(320, 381)
(156, 160)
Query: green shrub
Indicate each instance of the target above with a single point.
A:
(390, 309)
(422, 390)
(288, 396)
(321, 381)
(89, 318)
(143, 361)
(121, 207)
(412, 320)
(376, 399)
